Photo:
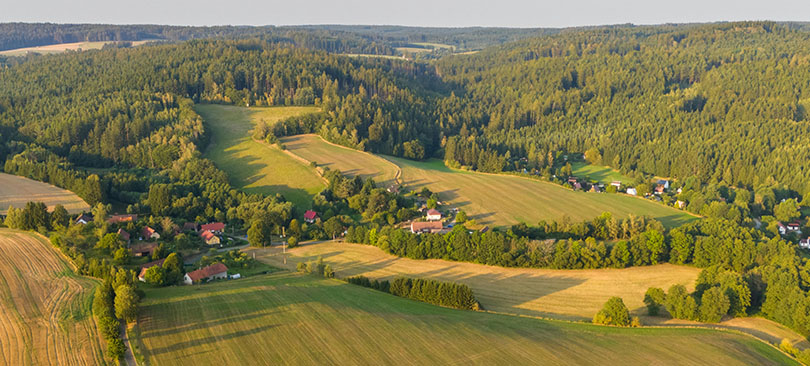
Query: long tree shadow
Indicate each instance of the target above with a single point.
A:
(211, 339)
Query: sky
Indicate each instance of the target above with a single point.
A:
(438, 13)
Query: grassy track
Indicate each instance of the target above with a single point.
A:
(505, 200)
(349, 161)
(45, 315)
(296, 319)
(253, 166)
(17, 191)
(598, 173)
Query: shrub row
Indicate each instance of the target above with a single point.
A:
(107, 323)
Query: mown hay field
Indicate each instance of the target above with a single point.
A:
(296, 319)
(254, 166)
(45, 308)
(17, 191)
(62, 47)
(599, 173)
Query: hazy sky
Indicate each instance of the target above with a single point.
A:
(453, 13)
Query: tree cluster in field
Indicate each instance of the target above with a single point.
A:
(316, 267)
(614, 312)
(379, 285)
(447, 294)
(35, 217)
(115, 300)
(169, 273)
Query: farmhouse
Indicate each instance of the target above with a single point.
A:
(215, 227)
(124, 235)
(210, 238)
(212, 272)
(143, 249)
(117, 219)
(84, 219)
(616, 184)
(659, 189)
(191, 226)
(804, 243)
(663, 182)
(418, 227)
(434, 215)
(310, 216)
(148, 233)
(142, 273)
(789, 228)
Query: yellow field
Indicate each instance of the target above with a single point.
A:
(61, 47)
(17, 191)
(349, 161)
(45, 308)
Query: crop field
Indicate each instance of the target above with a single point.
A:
(253, 166)
(497, 199)
(296, 319)
(601, 174)
(17, 191)
(45, 308)
(61, 47)
(349, 161)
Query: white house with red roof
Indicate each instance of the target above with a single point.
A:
(215, 227)
(212, 272)
(310, 216)
(434, 215)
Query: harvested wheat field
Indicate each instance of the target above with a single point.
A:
(45, 308)
(17, 191)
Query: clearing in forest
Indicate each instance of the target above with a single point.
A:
(17, 191)
(296, 319)
(599, 173)
(255, 166)
(45, 308)
(350, 162)
(62, 47)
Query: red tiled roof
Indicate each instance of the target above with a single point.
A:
(147, 232)
(206, 272)
(418, 226)
(122, 218)
(310, 215)
(207, 235)
(146, 266)
(123, 234)
(213, 226)
(434, 211)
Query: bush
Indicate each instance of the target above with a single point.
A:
(328, 272)
(292, 242)
(713, 305)
(654, 299)
(383, 286)
(115, 348)
(613, 313)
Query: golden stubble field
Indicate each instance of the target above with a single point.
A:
(45, 308)
(17, 191)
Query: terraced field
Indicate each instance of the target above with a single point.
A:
(17, 191)
(296, 319)
(45, 308)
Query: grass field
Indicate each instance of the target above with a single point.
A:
(297, 319)
(495, 199)
(601, 174)
(349, 161)
(253, 166)
(61, 47)
(45, 308)
(17, 191)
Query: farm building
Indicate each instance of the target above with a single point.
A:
(117, 219)
(310, 216)
(191, 226)
(616, 184)
(804, 243)
(663, 182)
(631, 191)
(84, 219)
(210, 238)
(146, 266)
(426, 227)
(143, 249)
(212, 272)
(434, 215)
(215, 227)
(148, 233)
(124, 235)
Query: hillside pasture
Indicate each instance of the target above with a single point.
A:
(17, 191)
(45, 308)
(255, 166)
(297, 319)
(498, 199)
(349, 161)
(598, 173)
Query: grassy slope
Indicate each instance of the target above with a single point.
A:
(17, 191)
(61, 47)
(505, 200)
(349, 161)
(598, 173)
(253, 166)
(45, 308)
(291, 318)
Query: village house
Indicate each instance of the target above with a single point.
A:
(794, 227)
(659, 189)
(212, 272)
(595, 188)
(214, 227)
(418, 227)
(147, 233)
(631, 191)
(143, 249)
(142, 273)
(434, 215)
(191, 226)
(84, 219)
(117, 219)
(124, 235)
(310, 216)
(663, 182)
(210, 238)
(577, 186)
(394, 188)
(804, 243)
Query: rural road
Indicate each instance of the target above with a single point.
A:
(129, 358)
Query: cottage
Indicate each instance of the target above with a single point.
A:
(210, 238)
(143, 249)
(212, 272)
(147, 233)
(577, 186)
(631, 191)
(214, 227)
(433, 215)
(659, 189)
(804, 243)
(117, 219)
(418, 227)
(572, 180)
(310, 216)
(124, 235)
(616, 184)
(191, 226)
(794, 227)
(84, 219)
(596, 189)
(663, 182)
(781, 227)
(142, 273)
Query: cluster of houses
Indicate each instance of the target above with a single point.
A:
(432, 224)
(661, 186)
